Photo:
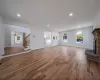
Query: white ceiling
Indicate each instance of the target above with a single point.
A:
(40, 13)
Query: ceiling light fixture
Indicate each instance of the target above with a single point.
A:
(79, 26)
(71, 14)
(48, 25)
(18, 15)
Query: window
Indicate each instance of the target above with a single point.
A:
(47, 38)
(79, 37)
(65, 37)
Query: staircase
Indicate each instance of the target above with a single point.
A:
(26, 42)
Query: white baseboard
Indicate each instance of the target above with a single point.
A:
(4, 56)
(15, 54)
(76, 46)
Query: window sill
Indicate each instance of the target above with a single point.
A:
(80, 42)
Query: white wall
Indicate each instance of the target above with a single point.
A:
(37, 33)
(1, 37)
(17, 28)
(96, 21)
(9, 29)
(51, 41)
(71, 35)
(56, 41)
(37, 38)
(35, 42)
(7, 36)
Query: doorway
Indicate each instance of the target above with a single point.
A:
(16, 39)
(47, 38)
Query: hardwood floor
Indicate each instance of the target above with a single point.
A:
(52, 63)
(13, 50)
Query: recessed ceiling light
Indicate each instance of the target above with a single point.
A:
(48, 25)
(18, 15)
(79, 26)
(71, 14)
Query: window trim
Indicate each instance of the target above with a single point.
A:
(76, 37)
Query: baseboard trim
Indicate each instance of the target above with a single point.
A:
(75, 47)
(5, 56)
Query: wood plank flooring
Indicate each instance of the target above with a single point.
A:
(13, 50)
(52, 63)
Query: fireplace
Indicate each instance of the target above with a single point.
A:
(94, 46)
(95, 53)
